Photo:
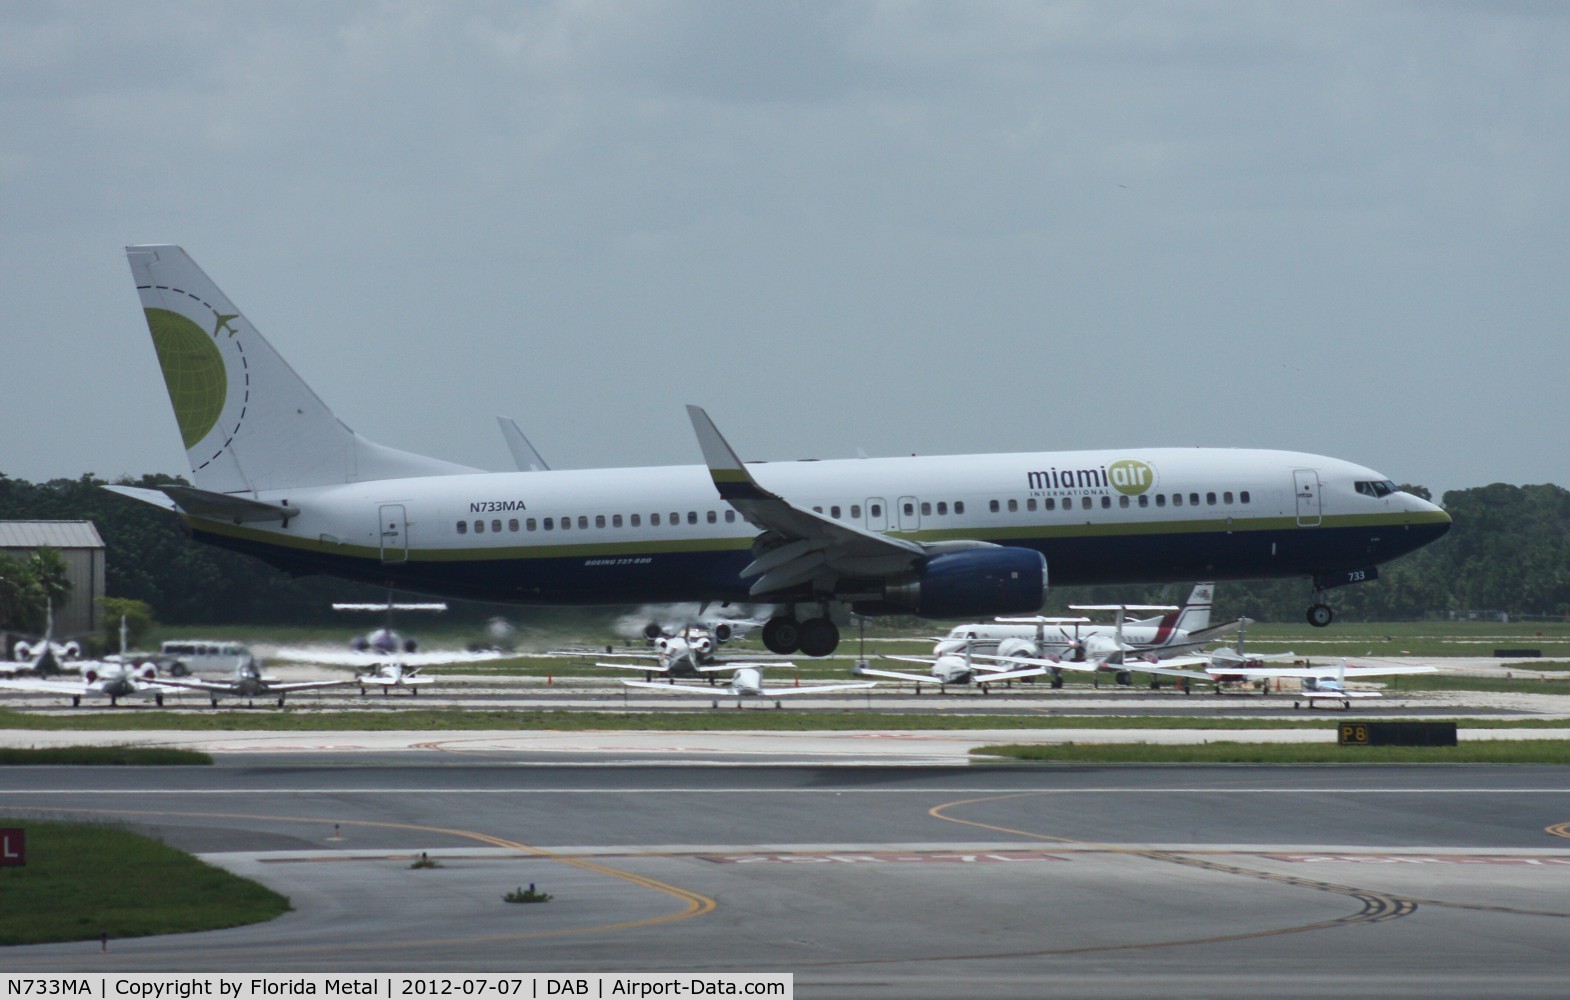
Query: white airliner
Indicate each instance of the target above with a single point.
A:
(277, 475)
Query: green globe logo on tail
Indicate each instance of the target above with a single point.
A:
(193, 372)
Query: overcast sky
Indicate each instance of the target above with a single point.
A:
(898, 227)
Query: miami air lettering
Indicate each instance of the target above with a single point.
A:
(1128, 476)
(495, 506)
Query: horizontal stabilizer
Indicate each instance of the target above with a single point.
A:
(206, 504)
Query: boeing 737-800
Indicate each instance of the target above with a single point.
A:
(277, 475)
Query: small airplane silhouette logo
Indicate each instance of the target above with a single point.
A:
(222, 323)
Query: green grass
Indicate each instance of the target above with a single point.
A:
(113, 756)
(84, 880)
(725, 719)
(1469, 752)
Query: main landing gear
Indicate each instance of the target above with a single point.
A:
(1320, 615)
(813, 637)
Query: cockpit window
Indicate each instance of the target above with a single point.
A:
(1377, 489)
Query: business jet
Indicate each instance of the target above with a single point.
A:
(746, 681)
(42, 656)
(1179, 630)
(277, 475)
(122, 676)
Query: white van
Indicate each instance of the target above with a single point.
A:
(208, 656)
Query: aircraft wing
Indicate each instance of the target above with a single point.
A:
(1351, 673)
(818, 688)
(801, 544)
(1031, 661)
(405, 681)
(647, 668)
(898, 675)
(198, 684)
(40, 686)
(719, 668)
(304, 685)
(333, 657)
(1010, 675)
(705, 690)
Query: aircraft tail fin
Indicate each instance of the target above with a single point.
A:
(249, 423)
(1194, 616)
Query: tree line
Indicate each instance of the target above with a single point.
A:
(1508, 551)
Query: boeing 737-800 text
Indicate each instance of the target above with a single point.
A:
(277, 475)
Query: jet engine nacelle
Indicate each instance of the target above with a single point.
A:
(1019, 647)
(973, 583)
(22, 652)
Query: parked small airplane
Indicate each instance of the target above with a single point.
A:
(123, 676)
(690, 654)
(746, 681)
(951, 667)
(42, 656)
(393, 674)
(1323, 683)
(249, 683)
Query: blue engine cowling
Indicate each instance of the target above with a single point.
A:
(991, 581)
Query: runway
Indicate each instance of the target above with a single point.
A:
(868, 881)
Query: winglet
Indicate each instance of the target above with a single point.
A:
(730, 476)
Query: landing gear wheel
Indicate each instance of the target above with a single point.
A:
(818, 637)
(782, 635)
(1320, 615)
(1124, 678)
(159, 699)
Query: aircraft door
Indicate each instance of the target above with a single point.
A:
(1306, 482)
(909, 514)
(394, 531)
(877, 514)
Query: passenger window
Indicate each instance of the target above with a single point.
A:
(1193, 499)
(1177, 499)
(1161, 499)
(654, 519)
(1048, 504)
(583, 521)
(615, 520)
(1013, 506)
(959, 506)
(496, 525)
(817, 510)
(1106, 503)
(855, 512)
(599, 520)
(566, 524)
(1123, 501)
(675, 519)
(876, 510)
(910, 509)
(1085, 503)
(692, 517)
(1210, 498)
(549, 524)
(834, 511)
(943, 507)
(713, 516)
(1226, 497)
(479, 527)
(926, 508)
(531, 524)
(463, 527)
(730, 517)
(1243, 496)
(512, 524)
(1144, 500)
(992, 506)
(636, 520)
